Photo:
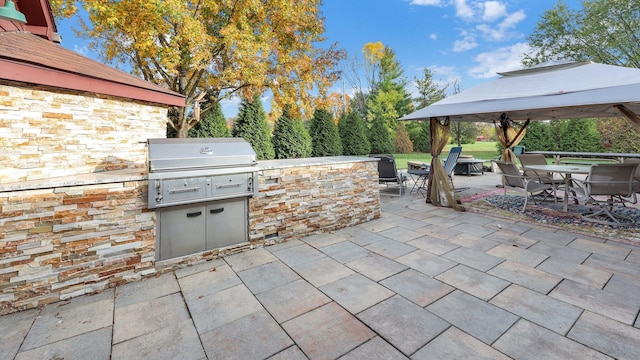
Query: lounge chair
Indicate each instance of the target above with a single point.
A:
(515, 180)
(388, 173)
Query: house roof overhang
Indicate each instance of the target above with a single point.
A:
(28, 58)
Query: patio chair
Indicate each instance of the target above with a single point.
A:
(606, 186)
(388, 173)
(513, 179)
(545, 177)
(420, 175)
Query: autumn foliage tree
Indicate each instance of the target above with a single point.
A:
(221, 48)
(402, 141)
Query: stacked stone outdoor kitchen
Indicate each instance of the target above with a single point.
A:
(74, 215)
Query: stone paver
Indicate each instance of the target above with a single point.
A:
(376, 267)
(433, 245)
(417, 287)
(426, 262)
(268, 276)
(147, 289)
(522, 256)
(473, 258)
(356, 293)
(146, 317)
(404, 324)
(477, 318)
(253, 337)
(528, 277)
(291, 300)
(248, 259)
(617, 307)
(607, 336)
(179, 341)
(375, 349)
(421, 282)
(298, 255)
(456, 344)
(345, 251)
(323, 271)
(65, 320)
(327, 332)
(210, 312)
(526, 340)
(583, 274)
(545, 311)
(14, 327)
(390, 248)
(611, 250)
(322, 240)
(91, 345)
(217, 279)
(473, 281)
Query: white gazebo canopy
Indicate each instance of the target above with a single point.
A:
(548, 91)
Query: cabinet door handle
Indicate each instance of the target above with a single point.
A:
(194, 214)
(216, 211)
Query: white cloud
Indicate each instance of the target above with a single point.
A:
(513, 19)
(463, 10)
(502, 30)
(468, 42)
(433, 36)
(426, 2)
(500, 60)
(493, 10)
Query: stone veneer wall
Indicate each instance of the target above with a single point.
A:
(50, 132)
(302, 199)
(79, 235)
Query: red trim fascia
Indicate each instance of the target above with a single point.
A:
(10, 70)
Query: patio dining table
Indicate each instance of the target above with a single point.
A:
(566, 171)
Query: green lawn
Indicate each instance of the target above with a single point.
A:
(485, 150)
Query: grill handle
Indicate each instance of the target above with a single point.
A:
(177, 191)
(194, 214)
(227, 186)
(216, 211)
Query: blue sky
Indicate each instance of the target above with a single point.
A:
(467, 41)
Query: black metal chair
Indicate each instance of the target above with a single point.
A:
(388, 173)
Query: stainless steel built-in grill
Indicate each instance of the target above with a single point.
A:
(200, 190)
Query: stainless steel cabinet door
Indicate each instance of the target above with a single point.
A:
(227, 223)
(182, 231)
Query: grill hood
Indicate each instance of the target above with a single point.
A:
(179, 154)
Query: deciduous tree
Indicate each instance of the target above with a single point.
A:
(218, 47)
(604, 31)
(402, 141)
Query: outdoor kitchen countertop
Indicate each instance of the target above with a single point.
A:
(287, 163)
(103, 177)
(116, 176)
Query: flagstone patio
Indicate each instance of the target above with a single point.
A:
(420, 282)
